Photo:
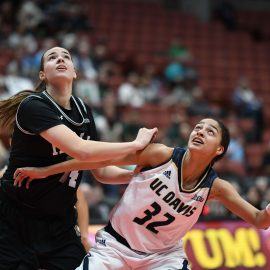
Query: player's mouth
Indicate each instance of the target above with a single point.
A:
(61, 67)
(197, 140)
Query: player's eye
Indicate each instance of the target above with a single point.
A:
(51, 57)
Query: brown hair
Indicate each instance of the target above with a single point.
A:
(8, 107)
(225, 140)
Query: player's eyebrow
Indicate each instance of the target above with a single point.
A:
(211, 126)
(214, 128)
(52, 53)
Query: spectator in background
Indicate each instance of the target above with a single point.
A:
(266, 197)
(129, 92)
(236, 151)
(266, 161)
(233, 163)
(30, 16)
(8, 19)
(247, 104)
(100, 54)
(262, 185)
(178, 50)
(3, 89)
(132, 121)
(93, 192)
(88, 90)
(175, 71)
(83, 59)
(178, 94)
(180, 66)
(14, 82)
(178, 132)
(200, 106)
(253, 196)
(151, 85)
(108, 120)
(226, 13)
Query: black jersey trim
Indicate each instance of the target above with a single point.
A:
(178, 158)
(199, 181)
(109, 229)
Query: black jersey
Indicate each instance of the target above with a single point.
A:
(55, 195)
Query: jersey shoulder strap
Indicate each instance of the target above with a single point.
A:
(177, 155)
(80, 102)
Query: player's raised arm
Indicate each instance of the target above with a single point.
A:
(224, 192)
(95, 151)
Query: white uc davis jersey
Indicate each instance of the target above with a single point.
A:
(155, 211)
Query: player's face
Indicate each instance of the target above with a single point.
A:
(57, 64)
(206, 137)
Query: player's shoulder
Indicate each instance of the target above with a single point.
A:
(32, 99)
(220, 188)
(156, 153)
(159, 148)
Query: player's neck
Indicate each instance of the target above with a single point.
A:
(193, 167)
(60, 96)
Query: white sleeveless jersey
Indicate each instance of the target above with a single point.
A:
(155, 211)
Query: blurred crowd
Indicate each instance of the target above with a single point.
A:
(120, 92)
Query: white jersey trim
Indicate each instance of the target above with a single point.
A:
(17, 122)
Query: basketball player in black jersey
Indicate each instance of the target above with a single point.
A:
(49, 126)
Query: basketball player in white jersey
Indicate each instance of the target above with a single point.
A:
(162, 202)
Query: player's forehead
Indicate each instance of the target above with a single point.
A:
(56, 50)
(210, 122)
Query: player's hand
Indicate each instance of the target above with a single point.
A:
(146, 136)
(28, 174)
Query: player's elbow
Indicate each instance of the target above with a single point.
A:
(80, 152)
(260, 222)
(83, 155)
(262, 227)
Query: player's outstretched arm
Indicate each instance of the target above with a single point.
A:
(152, 155)
(224, 192)
(95, 151)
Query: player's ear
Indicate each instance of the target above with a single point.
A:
(41, 75)
(220, 150)
(75, 74)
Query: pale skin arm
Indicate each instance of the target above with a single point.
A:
(152, 155)
(83, 219)
(226, 194)
(113, 174)
(70, 143)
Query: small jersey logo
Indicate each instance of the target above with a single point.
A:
(61, 117)
(167, 174)
(77, 230)
(101, 241)
(86, 121)
(198, 198)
